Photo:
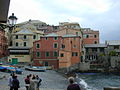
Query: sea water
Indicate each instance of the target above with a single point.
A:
(97, 81)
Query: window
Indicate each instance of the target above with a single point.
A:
(63, 46)
(46, 38)
(25, 36)
(87, 50)
(16, 36)
(37, 45)
(62, 55)
(55, 38)
(74, 54)
(16, 44)
(95, 36)
(46, 63)
(38, 54)
(34, 36)
(55, 45)
(24, 43)
(94, 49)
(55, 54)
(74, 46)
(87, 36)
(47, 54)
(95, 42)
(76, 33)
(116, 47)
(101, 49)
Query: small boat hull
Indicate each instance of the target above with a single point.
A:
(37, 69)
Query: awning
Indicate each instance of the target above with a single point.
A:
(19, 50)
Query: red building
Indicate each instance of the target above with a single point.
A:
(46, 51)
(90, 36)
(57, 51)
(3, 44)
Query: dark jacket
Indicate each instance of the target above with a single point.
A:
(73, 87)
(15, 83)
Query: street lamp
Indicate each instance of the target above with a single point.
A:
(11, 22)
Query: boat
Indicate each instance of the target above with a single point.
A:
(34, 68)
(10, 69)
(3, 69)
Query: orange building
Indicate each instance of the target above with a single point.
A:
(90, 36)
(70, 52)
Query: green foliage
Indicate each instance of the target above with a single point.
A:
(102, 54)
(113, 53)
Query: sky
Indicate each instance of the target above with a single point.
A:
(102, 15)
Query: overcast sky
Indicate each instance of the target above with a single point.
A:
(102, 15)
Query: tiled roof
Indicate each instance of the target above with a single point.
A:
(95, 45)
(113, 42)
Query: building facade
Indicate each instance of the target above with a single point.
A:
(3, 44)
(46, 51)
(90, 36)
(23, 40)
(57, 51)
(70, 51)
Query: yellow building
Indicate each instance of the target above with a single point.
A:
(22, 44)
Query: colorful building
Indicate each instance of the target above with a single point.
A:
(57, 51)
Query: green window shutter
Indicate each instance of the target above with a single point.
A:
(47, 54)
(55, 45)
(38, 46)
(38, 54)
(55, 54)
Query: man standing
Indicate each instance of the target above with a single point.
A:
(10, 80)
(72, 85)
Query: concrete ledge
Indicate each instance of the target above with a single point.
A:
(111, 88)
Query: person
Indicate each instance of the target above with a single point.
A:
(10, 80)
(39, 81)
(72, 85)
(33, 83)
(15, 83)
(27, 82)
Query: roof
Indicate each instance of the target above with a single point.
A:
(95, 45)
(70, 35)
(32, 22)
(113, 42)
(51, 35)
(25, 31)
